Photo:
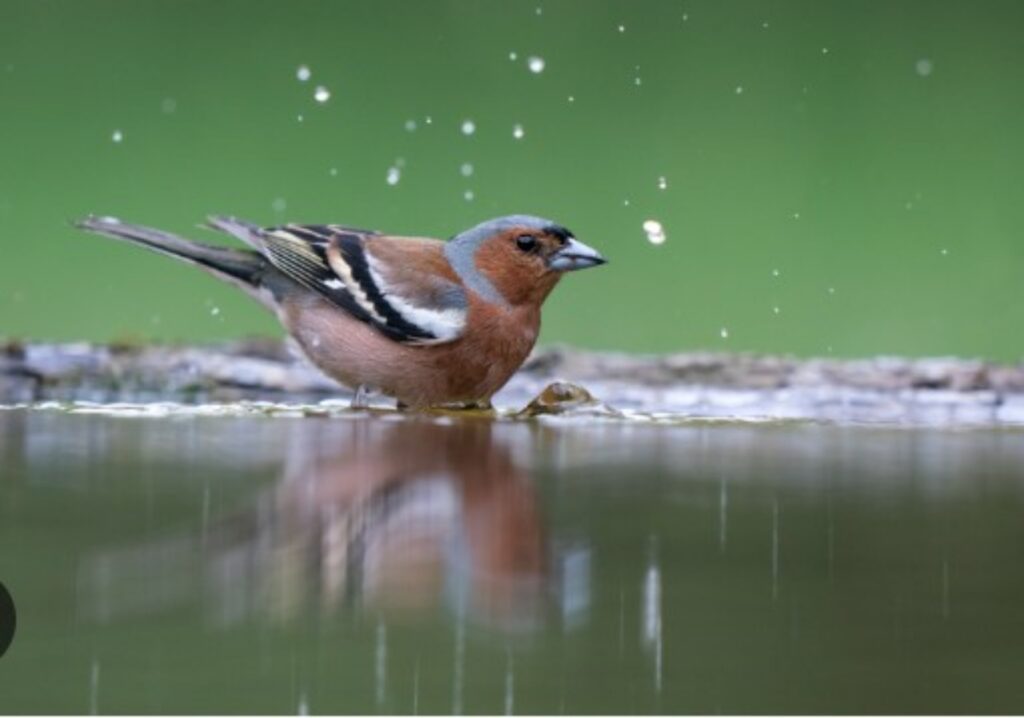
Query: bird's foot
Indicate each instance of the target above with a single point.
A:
(361, 398)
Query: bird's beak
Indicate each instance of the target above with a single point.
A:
(574, 255)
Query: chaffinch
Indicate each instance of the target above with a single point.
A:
(427, 322)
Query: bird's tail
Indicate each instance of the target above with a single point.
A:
(241, 267)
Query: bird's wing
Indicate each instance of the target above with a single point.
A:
(401, 286)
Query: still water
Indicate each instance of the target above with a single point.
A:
(433, 565)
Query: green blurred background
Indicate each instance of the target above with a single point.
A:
(840, 178)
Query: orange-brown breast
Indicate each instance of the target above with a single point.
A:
(471, 368)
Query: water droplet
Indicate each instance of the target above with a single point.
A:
(321, 94)
(686, 17)
(334, 172)
(400, 162)
(572, 98)
(518, 131)
(168, 105)
(824, 51)
(908, 205)
(662, 183)
(739, 89)
(796, 215)
(117, 136)
(654, 231)
(394, 174)
(724, 333)
(468, 195)
(429, 120)
(300, 118)
(536, 64)
(944, 252)
(831, 290)
(776, 273)
(625, 203)
(923, 67)
(279, 205)
(637, 81)
(539, 11)
(303, 73)
(513, 56)
(776, 310)
(214, 311)
(410, 125)
(622, 28)
(468, 127)
(466, 170)
(765, 24)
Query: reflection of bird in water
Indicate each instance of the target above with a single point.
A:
(399, 517)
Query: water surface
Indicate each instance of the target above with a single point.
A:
(380, 564)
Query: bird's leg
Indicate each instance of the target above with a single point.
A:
(361, 399)
(479, 405)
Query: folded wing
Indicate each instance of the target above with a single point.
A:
(403, 287)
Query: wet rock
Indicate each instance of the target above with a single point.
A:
(566, 398)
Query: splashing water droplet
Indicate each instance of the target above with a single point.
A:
(739, 89)
(410, 125)
(686, 17)
(303, 73)
(765, 24)
(466, 170)
(944, 252)
(776, 310)
(321, 94)
(923, 67)
(539, 11)
(625, 203)
(796, 215)
(334, 172)
(724, 333)
(831, 290)
(214, 311)
(776, 272)
(468, 195)
(117, 136)
(824, 51)
(655, 232)
(394, 174)
(300, 118)
(572, 98)
(536, 64)
(662, 183)
(622, 28)
(518, 132)
(468, 127)
(513, 56)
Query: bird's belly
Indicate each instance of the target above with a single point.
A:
(353, 353)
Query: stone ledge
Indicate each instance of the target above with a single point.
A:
(945, 391)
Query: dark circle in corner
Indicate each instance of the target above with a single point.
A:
(8, 619)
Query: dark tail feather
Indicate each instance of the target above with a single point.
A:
(240, 267)
(241, 230)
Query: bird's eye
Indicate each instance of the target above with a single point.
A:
(526, 242)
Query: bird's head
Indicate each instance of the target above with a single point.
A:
(517, 259)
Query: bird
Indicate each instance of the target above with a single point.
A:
(430, 323)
